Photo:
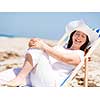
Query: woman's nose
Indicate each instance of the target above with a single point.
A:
(78, 36)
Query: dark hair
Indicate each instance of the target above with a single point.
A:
(70, 42)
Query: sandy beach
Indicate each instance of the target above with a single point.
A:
(12, 52)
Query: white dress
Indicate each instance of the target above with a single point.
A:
(49, 71)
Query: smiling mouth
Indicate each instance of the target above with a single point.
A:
(77, 41)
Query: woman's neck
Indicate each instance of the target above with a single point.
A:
(74, 48)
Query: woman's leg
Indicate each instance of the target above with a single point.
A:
(43, 75)
(9, 76)
(21, 77)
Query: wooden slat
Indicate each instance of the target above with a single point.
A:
(86, 72)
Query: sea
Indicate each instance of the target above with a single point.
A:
(32, 35)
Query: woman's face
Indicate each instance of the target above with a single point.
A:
(79, 38)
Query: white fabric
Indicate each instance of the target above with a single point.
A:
(50, 72)
(7, 75)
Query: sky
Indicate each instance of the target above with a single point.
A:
(50, 25)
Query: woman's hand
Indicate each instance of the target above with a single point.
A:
(37, 43)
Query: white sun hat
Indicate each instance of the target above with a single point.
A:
(72, 25)
(80, 25)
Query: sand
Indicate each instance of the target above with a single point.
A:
(12, 52)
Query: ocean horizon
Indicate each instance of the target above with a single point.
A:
(28, 35)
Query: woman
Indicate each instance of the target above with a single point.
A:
(49, 66)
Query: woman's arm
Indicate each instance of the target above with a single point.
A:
(69, 58)
(72, 58)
